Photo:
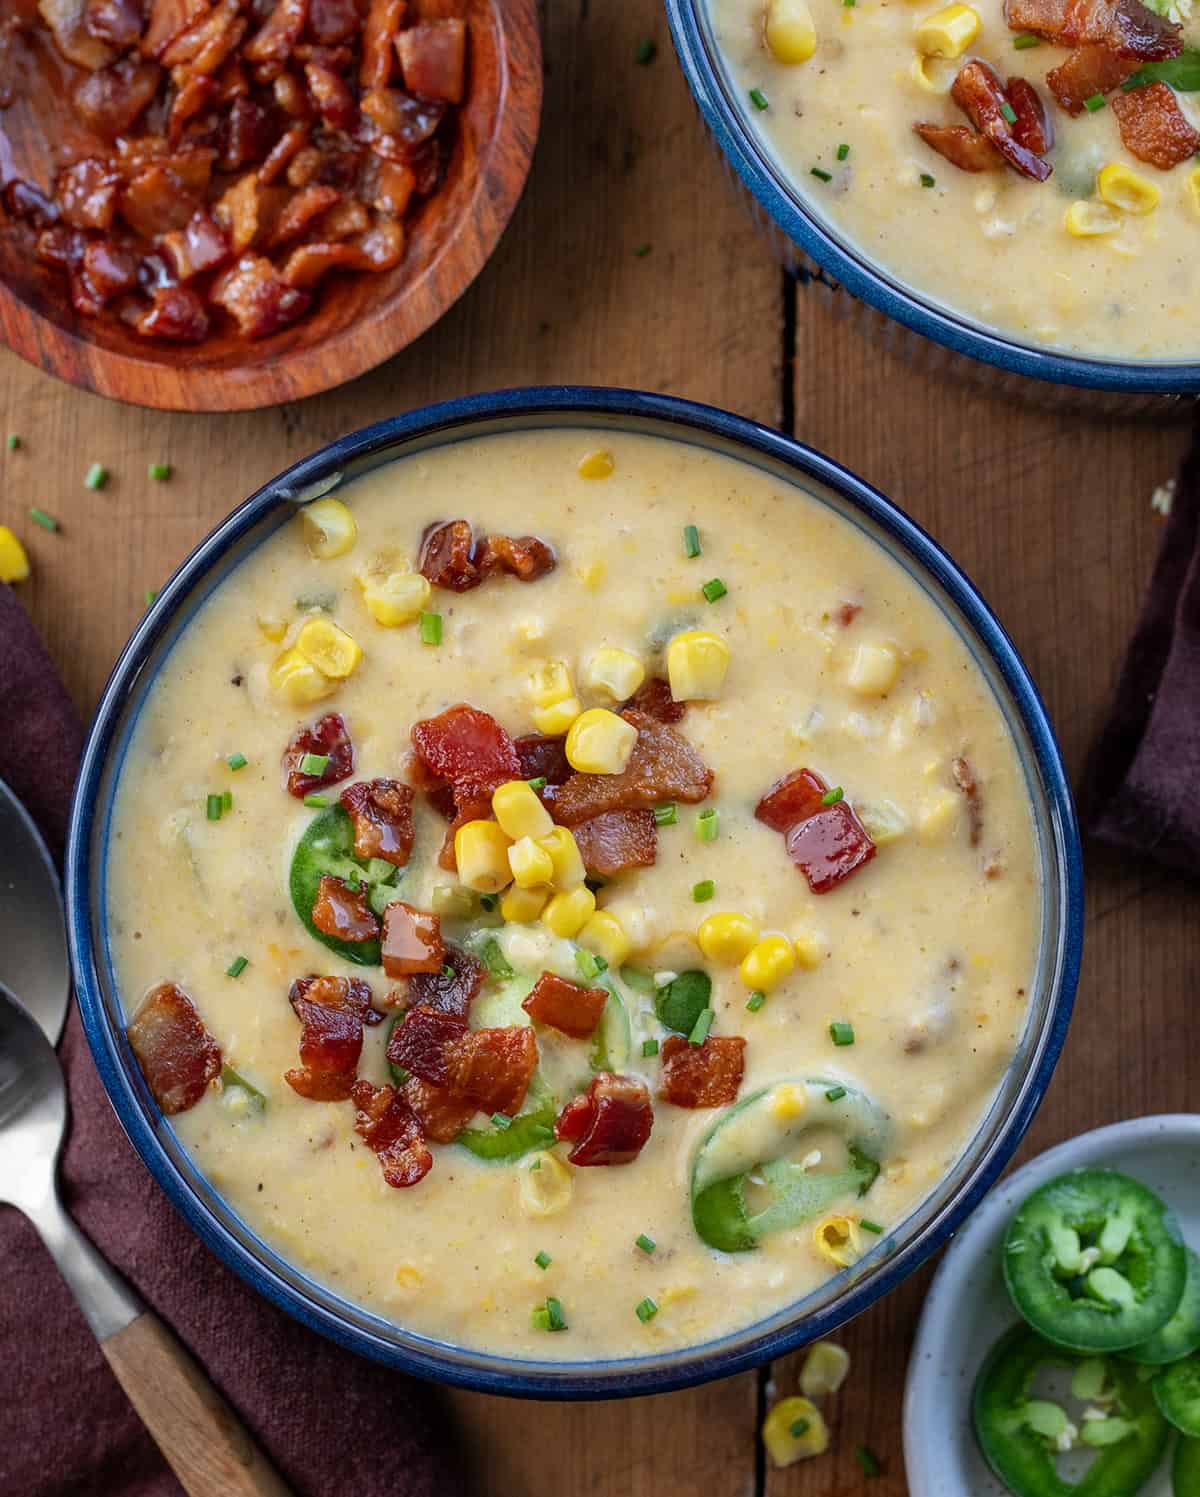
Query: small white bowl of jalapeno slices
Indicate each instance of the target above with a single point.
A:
(1059, 1349)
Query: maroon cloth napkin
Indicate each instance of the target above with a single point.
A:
(331, 1422)
(1141, 789)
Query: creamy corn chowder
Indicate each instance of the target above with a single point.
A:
(582, 926)
(1029, 164)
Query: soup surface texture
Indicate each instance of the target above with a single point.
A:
(842, 1045)
(1095, 259)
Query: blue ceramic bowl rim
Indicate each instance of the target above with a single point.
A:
(705, 426)
(735, 138)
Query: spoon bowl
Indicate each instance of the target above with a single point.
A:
(33, 1109)
(33, 942)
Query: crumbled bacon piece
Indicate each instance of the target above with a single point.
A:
(960, 145)
(199, 246)
(168, 19)
(662, 766)
(332, 21)
(1153, 127)
(67, 21)
(653, 698)
(524, 556)
(492, 1067)
(566, 1006)
(449, 991)
(791, 799)
(327, 738)
(86, 193)
(388, 186)
(468, 807)
(334, 101)
(1031, 128)
(272, 45)
(448, 556)
(258, 298)
(609, 1123)
(163, 194)
(247, 211)
(177, 314)
(965, 779)
(104, 272)
(250, 132)
(117, 22)
(177, 1054)
(290, 144)
(706, 1075)
(332, 1012)
(433, 57)
(468, 748)
(1125, 28)
(847, 613)
(1088, 71)
(205, 45)
(543, 758)
(412, 123)
(419, 1042)
(389, 1127)
(343, 912)
(412, 940)
(979, 93)
(306, 205)
(443, 1114)
(827, 843)
(110, 101)
(617, 840)
(382, 814)
(382, 23)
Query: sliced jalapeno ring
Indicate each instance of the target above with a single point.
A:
(1177, 1393)
(1094, 1261)
(327, 847)
(1181, 1334)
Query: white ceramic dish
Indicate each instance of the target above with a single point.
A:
(968, 1306)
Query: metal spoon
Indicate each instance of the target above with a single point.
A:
(33, 937)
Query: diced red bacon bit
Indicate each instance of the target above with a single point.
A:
(653, 698)
(175, 313)
(162, 195)
(168, 18)
(382, 814)
(419, 1042)
(343, 220)
(259, 299)
(1032, 128)
(609, 1123)
(616, 840)
(67, 22)
(1153, 127)
(846, 613)
(449, 556)
(1086, 72)
(965, 779)
(961, 146)
(543, 758)
(250, 132)
(332, 21)
(286, 148)
(827, 843)
(305, 206)
(327, 738)
(492, 1067)
(343, 912)
(247, 211)
(443, 1114)
(192, 98)
(662, 766)
(117, 22)
(110, 101)
(468, 748)
(565, 1006)
(524, 557)
(791, 799)
(198, 247)
(382, 23)
(390, 1128)
(706, 1075)
(178, 1056)
(470, 808)
(332, 1012)
(1125, 28)
(205, 45)
(86, 194)
(979, 93)
(334, 101)
(433, 57)
(104, 272)
(272, 45)
(453, 989)
(412, 940)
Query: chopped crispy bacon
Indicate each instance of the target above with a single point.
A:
(343, 220)
(706, 1075)
(791, 799)
(979, 93)
(525, 557)
(419, 1043)
(103, 272)
(290, 144)
(205, 45)
(177, 1054)
(662, 766)
(468, 748)
(1125, 28)
(467, 807)
(177, 314)
(961, 146)
(67, 20)
(1153, 127)
(250, 132)
(609, 1123)
(247, 211)
(448, 556)
(1086, 72)
(492, 1067)
(1031, 128)
(327, 738)
(191, 99)
(433, 57)
(543, 758)
(307, 204)
(653, 697)
(26, 201)
(412, 940)
(827, 843)
(110, 101)
(449, 992)
(388, 1125)
(332, 1012)
(414, 123)
(382, 23)
(964, 778)
(388, 185)
(847, 612)
(117, 22)
(168, 18)
(443, 1113)
(199, 246)
(334, 101)
(343, 912)
(382, 814)
(271, 46)
(564, 1005)
(163, 194)
(258, 298)
(616, 840)
(309, 263)
(332, 21)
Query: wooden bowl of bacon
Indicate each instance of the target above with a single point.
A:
(227, 204)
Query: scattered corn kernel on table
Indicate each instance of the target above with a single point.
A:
(1049, 511)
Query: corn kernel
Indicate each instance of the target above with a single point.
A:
(930, 76)
(597, 464)
(696, 665)
(873, 670)
(838, 1239)
(788, 1102)
(948, 32)
(520, 813)
(14, 564)
(1125, 189)
(396, 599)
(298, 680)
(546, 1186)
(883, 820)
(519, 906)
(271, 626)
(767, 964)
(789, 31)
(330, 649)
(556, 720)
(727, 937)
(600, 742)
(569, 871)
(824, 1370)
(810, 948)
(568, 912)
(1086, 220)
(549, 683)
(329, 528)
(481, 852)
(939, 817)
(1193, 189)
(613, 673)
(530, 864)
(605, 935)
(811, 1437)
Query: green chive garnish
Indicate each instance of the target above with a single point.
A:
(758, 98)
(539, 783)
(314, 763)
(316, 802)
(543, 1260)
(160, 472)
(706, 825)
(691, 540)
(1095, 102)
(588, 965)
(869, 1226)
(797, 1428)
(226, 800)
(666, 815)
(714, 589)
(488, 902)
(237, 966)
(649, 1048)
(499, 1120)
(14, 441)
(151, 594)
(756, 1000)
(447, 970)
(237, 761)
(835, 1094)
(701, 1027)
(96, 476)
(705, 889)
(842, 152)
(213, 807)
(495, 961)
(868, 1460)
(431, 628)
(647, 1310)
(40, 517)
(554, 1310)
(822, 175)
(1009, 113)
(646, 52)
(647, 1244)
(540, 1319)
(927, 180)
(831, 797)
(841, 1034)
(642, 250)
(1023, 42)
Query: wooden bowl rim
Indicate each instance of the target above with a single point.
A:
(343, 356)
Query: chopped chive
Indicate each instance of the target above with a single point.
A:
(539, 1319)
(96, 476)
(843, 151)
(1023, 42)
(431, 628)
(705, 889)
(316, 802)
(756, 1000)
(237, 761)
(160, 472)
(691, 540)
(499, 1120)
(226, 800)
(647, 51)
(589, 965)
(868, 1460)
(706, 825)
(714, 589)
(666, 815)
(758, 98)
(447, 970)
(841, 1033)
(237, 966)
(543, 1259)
(14, 441)
(647, 1310)
(151, 594)
(495, 961)
(555, 1311)
(213, 807)
(536, 1165)
(1095, 102)
(649, 1048)
(642, 250)
(927, 180)
(1009, 113)
(314, 763)
(40, 517)
(849, 4)
(539, 783)
(701, 1027)
(870, 1226)
(821, 174)
(835, 1094)
(488, 902)
(797, 1428)
(831, 797)
(647, 1244)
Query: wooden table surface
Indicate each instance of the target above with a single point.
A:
(1048, 510)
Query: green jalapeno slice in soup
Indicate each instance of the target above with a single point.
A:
(1094, 1261)
(327, 850)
